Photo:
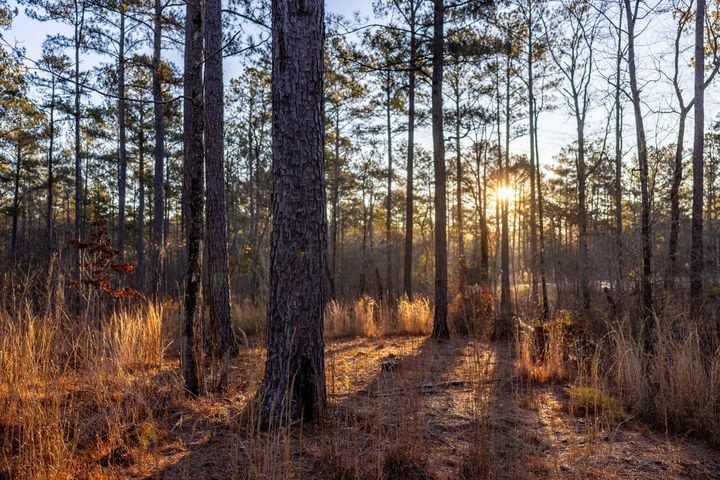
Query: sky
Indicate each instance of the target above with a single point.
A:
(556, 129)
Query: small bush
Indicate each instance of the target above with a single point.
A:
(548, 365)
(592, 401)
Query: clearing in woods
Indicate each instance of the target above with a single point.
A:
(408, 407)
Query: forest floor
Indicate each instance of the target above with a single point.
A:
(408, 407)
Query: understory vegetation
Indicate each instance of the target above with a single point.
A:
(104, 399)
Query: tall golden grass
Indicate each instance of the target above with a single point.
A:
(80, 394)
(365, 317)
(69, 393)
(676, 386)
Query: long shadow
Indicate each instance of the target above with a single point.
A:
(385, 426)
(382, 404)
(347, 344)
(426, 407)
(525, 430)
(498, 446)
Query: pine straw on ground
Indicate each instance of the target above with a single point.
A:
(399, 408)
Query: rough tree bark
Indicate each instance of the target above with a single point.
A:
(440, 326)
(224, 341)
(294, 383)
(193, 183)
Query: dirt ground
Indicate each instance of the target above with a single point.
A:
(409, 407)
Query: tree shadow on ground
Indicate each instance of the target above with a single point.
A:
(448, 410)
(374, 417)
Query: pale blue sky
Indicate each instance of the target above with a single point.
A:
(556, 128)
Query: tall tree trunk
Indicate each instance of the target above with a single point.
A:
(645, 227)
(671, 271)
(541, 226)
(388, 206)
(618, 169)
(294, 383)
(193, 182)
(158, 233)
(440, 326)
(584, 287)
(224, 339)
(532, 127)
(122, 161)
(409, 196)
(15, 203)
(505, 300)
(78, 231)
(50, 165)
(140, 273)
(458, 189)
(696, 241)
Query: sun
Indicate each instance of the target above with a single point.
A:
(505, 193)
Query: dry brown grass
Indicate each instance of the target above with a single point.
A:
(71, 396)
(678, 386)
(368, 318)
(550, 365)
(105, 401)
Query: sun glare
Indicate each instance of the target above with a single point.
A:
(505, 194)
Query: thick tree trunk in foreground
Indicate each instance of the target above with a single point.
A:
(696, 241)
(440, 327)
(193, 182)
(224, 341)
(294, 383)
